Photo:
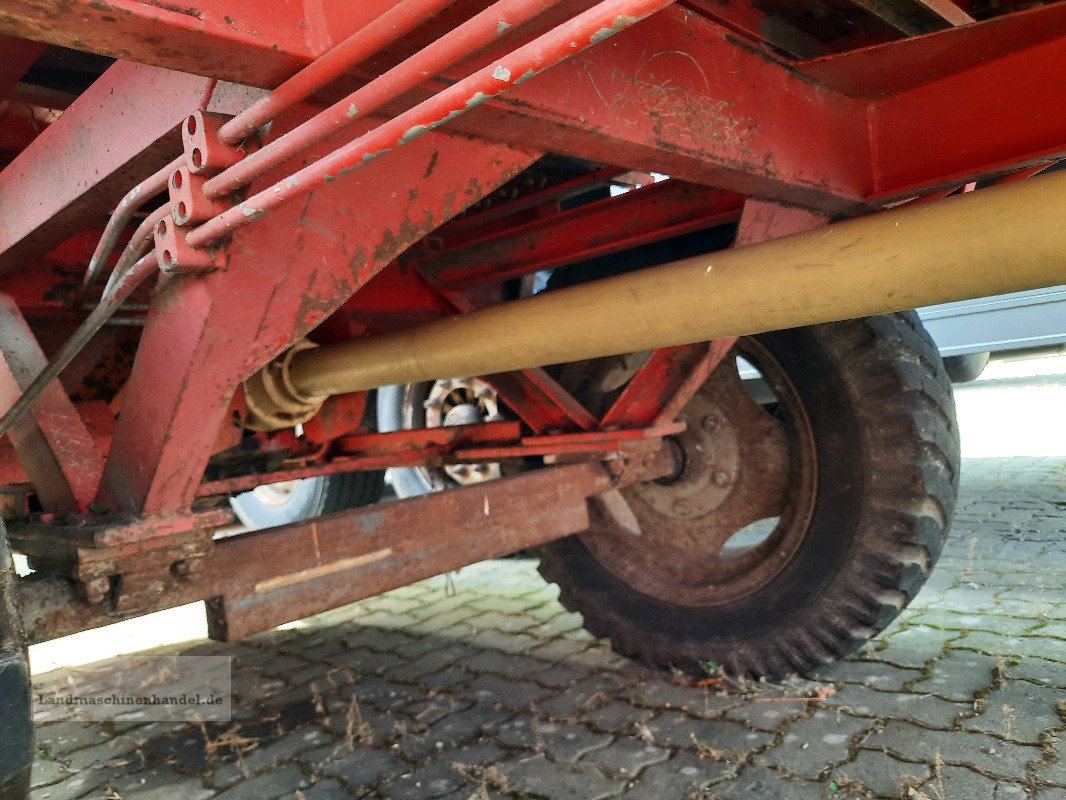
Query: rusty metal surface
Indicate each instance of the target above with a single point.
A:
(271, 576)
(89, 531)
(741, 465)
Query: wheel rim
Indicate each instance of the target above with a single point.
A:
(738, 510)
(276, 495)
(460, 401)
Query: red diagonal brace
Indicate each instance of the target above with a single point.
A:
(56, 450)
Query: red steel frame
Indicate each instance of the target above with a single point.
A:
(750, 137)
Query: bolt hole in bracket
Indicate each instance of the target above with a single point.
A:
(205, 155)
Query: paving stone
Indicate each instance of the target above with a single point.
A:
(1019, 711)
(978, 749)
(1056, 629)
(46, 772)
(500, 663)
(562, 674)
(366, 661)
(1044, 647)
(537, 775)
(72, 788)
(617, 717)
(69, 735)
(512, 694)
(759, 783)
(913, 647)
(692, 699)
(869, 673)
(444, 679)
(269, 757)
(558, 741)
(625, 757)
(327, 789)
(449, 678)
(357, 768)
(959, 676)
(160, 783)
(673, 729)
(500, 621)
(280, 782)
(927, 710)
(682, 776)
(428, 663)
(812, 744)
(767, 715)
(957, 783)
(581, 696)
(557, 649)
(426, 712)
(453, 729)
(880, 773)
(1053, 770)
(443, 774)
(1038, 670)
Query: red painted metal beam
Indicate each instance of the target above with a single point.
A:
(540, 402)
(980, 122)
(694, 104)
(54, 446)
(207, 333)
(246, 41)
(679, 95)
(121, 129)
(650, 214)
(19, 56)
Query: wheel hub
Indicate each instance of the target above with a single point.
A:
(738, 510)
(463, 401)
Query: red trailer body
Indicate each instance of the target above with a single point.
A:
(203, 209)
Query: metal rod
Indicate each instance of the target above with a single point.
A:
(1001, 239)
(573, 36)
(391, 26)
(130, 204)
(447, 51)
(132, 269)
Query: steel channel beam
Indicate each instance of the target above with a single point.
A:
(264, 578)
(695, 106)
(612, 225)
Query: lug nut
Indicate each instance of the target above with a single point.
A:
(710, 422)
(721, 478)
(682, 507)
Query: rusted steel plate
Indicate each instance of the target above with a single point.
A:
(355, 553)
(324, 569)
(53, 444)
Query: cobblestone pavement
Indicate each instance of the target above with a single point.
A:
(492, 690)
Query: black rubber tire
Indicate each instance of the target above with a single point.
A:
(886, 441)
(16, 719)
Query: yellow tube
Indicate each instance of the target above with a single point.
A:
(1002, 239)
